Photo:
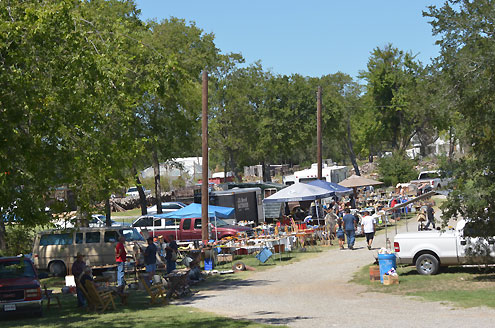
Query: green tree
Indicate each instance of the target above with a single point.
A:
(397, 168)
(392, 77)
(467, 64)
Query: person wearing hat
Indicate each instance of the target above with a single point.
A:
(77, 269)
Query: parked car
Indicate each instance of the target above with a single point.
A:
(133, 192)
(430, 250)
(55, 250)
(99, 220)
(167, 207)
(20, 288)
(429, 180)
(188, 229)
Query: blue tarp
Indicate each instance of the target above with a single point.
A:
(333, 187)
(298, 192)
(194, 211)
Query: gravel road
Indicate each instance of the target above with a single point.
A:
(316, 293)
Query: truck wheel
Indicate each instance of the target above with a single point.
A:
(57, 268)
(427, 264)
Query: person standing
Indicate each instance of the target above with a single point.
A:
(340, 232)
(150, 259)
(120, 258)
(349, 228)
(330, 221)
(77, 269)
(430, 214)
(171, 254)
(368, 225)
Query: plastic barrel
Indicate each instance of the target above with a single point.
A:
(386, 262)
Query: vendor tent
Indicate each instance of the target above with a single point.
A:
(355, 181)
(194, 211)
(333, 187)
(298, 192)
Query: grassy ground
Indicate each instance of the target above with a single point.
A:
(137, 314)
(134, 212)
(464, 287)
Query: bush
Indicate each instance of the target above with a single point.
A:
(397, 168)
(19, 239)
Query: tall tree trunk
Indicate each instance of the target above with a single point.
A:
(451, 144)
(350, 148)
(3, 236)
(158, 187)
(265, 167)
(142, 196)
(233, 166)
(108, 213)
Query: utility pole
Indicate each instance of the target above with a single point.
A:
(204, 186)
(318, 133)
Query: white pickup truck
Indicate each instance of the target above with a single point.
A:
(430, 250)
(428, 180)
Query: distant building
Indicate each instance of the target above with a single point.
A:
(179, 167)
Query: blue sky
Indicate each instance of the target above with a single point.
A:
(309, 37)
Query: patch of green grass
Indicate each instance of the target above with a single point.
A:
(134, 212)
(464, 287)
(136, 315)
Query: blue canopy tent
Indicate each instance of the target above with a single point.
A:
(333, 187)
(194, 211)
(298, 192)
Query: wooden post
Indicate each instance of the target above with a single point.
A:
(318, 134)
(204, 186)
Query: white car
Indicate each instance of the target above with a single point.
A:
(430, 250)
(133, 192)
(97, 220)
(167, 207)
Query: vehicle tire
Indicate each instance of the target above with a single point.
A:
(427, 264)
(239, 266)
(57, 268)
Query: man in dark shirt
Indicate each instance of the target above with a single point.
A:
(150, 259)
(350, 223)
(77, 269)
(171, 254)
(430, 213)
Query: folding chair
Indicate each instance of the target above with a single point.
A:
(155, 291)
(99, 300)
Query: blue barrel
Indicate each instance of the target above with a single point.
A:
(386, 262)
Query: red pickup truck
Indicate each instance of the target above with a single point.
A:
(190, 229)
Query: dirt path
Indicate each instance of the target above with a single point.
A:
(316, 293)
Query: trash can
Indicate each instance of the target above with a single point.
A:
(386, 262)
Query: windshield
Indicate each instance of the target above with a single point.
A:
(16, 268)
(218, 222)
(429, 175)
(131, 234)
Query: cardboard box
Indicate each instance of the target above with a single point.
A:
(390, 280)
(225, 258)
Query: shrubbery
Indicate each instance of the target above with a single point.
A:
(397, 168)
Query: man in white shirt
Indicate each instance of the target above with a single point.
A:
(368, 224)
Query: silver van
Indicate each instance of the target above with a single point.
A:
(55, 250)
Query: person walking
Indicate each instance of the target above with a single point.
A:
(368, 225)
(430, 214)
(340, 232)
(120, 258)
(77, 269)
(350, 228)
(150, 259)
